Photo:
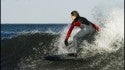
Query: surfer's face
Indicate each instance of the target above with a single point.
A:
(73, 17)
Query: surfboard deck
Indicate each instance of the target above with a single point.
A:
(67, 56)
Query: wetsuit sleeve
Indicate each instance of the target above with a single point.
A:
(96, 27)
(71, 28)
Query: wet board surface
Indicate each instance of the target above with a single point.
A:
(67, 56)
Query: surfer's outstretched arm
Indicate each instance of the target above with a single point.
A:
(68, 34)
(70, 31)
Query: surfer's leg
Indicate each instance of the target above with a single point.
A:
(77, 37)
(75, 42)
(83, 32)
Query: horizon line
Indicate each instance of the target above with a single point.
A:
(34, 23)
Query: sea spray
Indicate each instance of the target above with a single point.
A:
(113, 31)
(110, 38)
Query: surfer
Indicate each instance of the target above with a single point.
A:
(86, 27)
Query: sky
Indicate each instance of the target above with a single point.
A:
(49, 11)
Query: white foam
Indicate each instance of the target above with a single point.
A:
(114, 30)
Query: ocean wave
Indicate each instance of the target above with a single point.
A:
(11, 34)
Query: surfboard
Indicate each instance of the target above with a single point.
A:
(67, 56)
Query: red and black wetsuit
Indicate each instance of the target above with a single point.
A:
(78, 22)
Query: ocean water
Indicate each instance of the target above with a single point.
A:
(24, 46)
(26, 51)
(12, 30)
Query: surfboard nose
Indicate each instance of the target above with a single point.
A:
(52, 58)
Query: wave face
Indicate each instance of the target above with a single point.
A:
(25, 52)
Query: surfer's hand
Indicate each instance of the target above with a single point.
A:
(66, 42)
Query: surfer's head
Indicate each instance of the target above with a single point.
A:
(74, 14)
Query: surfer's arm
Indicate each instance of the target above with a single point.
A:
(97, 28)
(71, 28)
(69, 32)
